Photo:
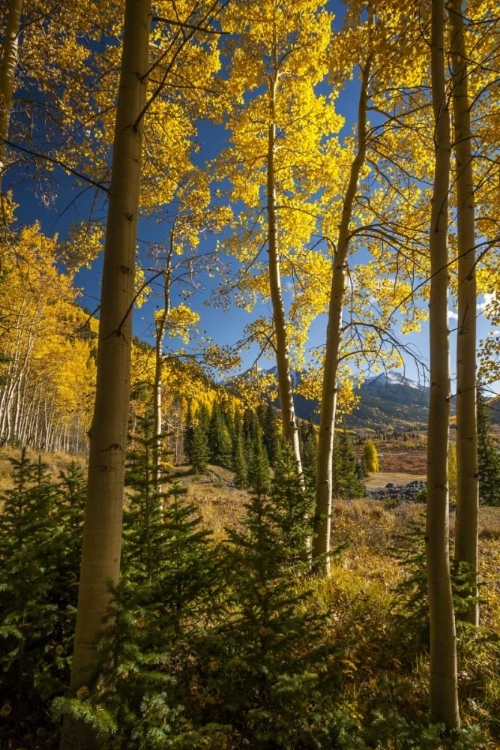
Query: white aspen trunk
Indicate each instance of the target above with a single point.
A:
(100, 563)
(288, 418)
(28, 415)
(78, 443)
(323, 510)
(10, 56)
(5, 397)
(161, 328)
(6, 407)
(33, 420)
(36, 422)
(466, 531)
(443, 646)
(13, 374)
(20, 403)
(20, 386)
(14, 433)
(48, 410)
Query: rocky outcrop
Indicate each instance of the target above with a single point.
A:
(407, 493)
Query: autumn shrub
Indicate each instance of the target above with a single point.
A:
(384, 668)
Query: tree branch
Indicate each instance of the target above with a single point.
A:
(59, 163)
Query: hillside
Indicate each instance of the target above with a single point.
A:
(387, 402)
(390, 401)
(494, 410)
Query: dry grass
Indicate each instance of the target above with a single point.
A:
(489, 523)
(55, 463)
(221, 504)
(381, 478)
(401, 456)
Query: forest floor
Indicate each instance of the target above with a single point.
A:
(221, 504)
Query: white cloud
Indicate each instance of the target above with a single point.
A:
(452, 315)
(487, 300)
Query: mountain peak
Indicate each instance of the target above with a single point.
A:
(391, 378)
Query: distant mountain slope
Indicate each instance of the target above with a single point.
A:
(494, 410)
(388, 402)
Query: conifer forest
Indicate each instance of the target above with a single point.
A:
(224, 224)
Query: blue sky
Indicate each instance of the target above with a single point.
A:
(225, 328)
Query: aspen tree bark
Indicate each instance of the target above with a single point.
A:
(161, 328)
(466, 532)
(443, 646)
(100, 564)
(321, 538)
(288, 417)
(10, 56)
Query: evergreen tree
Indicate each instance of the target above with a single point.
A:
(488, 456)
(361, 467)
(345, 472)
(239, 459)
(291, 508)
(270, 425)
(40, 536)
(258, 466)
(199, 450)
(251, 427)
(200, 453)
(310, 457)
(155, 643)
(141, 517)
(219, 440)
(266, 679)
(189, 433)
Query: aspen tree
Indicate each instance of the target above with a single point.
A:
(370, 456)
(380, 189)
(181, 267)
(288, 418)
(8, 74)
(47, 57)
(278, 125)
(46, 372)
(466, 524)
(443, 646)
(321, 539)
(108, 435)
(161, 329)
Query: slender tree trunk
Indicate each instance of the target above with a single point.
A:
(18, 410)
(321, 539)
(443, 656)
(161, 327)
(10, 56)
(100, 564)
(288, 417)
(466, 539)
